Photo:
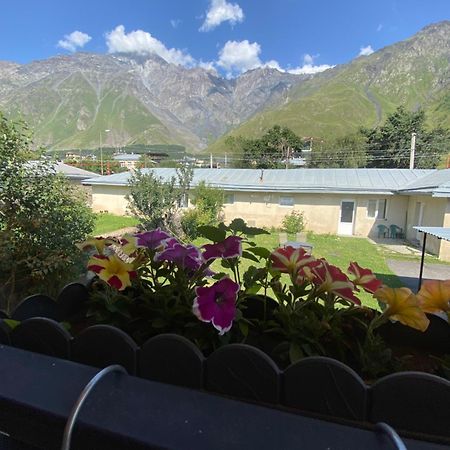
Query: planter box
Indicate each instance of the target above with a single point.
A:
(412, 402)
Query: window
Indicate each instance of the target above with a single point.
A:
(286, 201)
(229, 199)
(377, 208)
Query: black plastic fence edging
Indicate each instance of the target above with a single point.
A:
(316, 384)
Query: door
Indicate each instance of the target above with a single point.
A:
(347, 217)
(418, 218)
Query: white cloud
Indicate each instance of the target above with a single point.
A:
(143, 43)
(365, 51)
(308, 66)
(74, 41)
(175, 22)
(209, 66)
(379, 27)
(238, 57)
(221, 11)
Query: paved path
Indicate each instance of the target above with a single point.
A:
(408, 272)
(117, 233)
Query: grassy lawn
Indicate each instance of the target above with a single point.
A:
(105, 223)
(340, 251)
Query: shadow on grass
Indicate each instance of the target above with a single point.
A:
(395, 281)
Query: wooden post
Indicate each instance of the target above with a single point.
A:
(422, 261)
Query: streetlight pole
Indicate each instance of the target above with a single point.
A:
(101, 151)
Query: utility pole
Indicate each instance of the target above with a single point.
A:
(210, 161)
(226, 160)
(101, 152)
(413, 151)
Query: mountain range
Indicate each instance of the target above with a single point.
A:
(69, 101)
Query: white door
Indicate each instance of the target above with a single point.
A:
(347, 217)
(418, 218)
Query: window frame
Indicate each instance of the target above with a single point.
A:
(285, 204)
(378, 202)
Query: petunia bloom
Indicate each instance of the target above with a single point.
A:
(231, 247)
(97, 243)
(403, 306)
(434, 296)
(113, 270)
(364, 278)
(184, 256)
(290, 260)
(151, 239)
(329, 278)
(217, 304)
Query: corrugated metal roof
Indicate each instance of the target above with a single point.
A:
(439, 232)
(437, 183)
(292, 180)
(73, 172)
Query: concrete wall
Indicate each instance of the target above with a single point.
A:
(444, 253)
(321, 211)
(434, 211)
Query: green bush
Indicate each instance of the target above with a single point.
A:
(207, 210)
(293, 222)
(42, 216)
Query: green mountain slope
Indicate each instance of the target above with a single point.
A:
(414, 73)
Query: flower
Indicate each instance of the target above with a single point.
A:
(364, 278)
(217, 304)
(184, 256)
(290, 259)
(113, 270)
(331, 279)
(98, 243)
(151, 239)
(434, 296)
(403, 306)
(231, 247)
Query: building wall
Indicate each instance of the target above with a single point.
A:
(110, 198)
(434, 211)
(445, 245)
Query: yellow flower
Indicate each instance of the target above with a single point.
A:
(129, 244)
(403, 306)
(98, 243)
(113, 270)
(434, 296)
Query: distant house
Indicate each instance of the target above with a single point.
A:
(127, 160)
(339, 201)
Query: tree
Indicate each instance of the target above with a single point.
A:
(389, 144)
(42, 217)
(274, 149)
(156, 202)
(342, 152)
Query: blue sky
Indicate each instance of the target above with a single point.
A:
(229, 36)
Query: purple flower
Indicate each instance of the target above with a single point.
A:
(228, 248)
(151, 239)
(184, 256)
(217, 304)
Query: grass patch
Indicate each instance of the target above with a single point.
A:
(106, 222)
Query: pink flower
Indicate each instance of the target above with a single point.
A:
(184, 256)
(290, 260)
(230, 247)
(151, 239)
(331, 279)
(217, 304)
(364, 278)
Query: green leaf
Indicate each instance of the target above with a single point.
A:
(295, 352)
(12, 323)
(260, 251)
(212, 233)
(254, 231)
(253, 289)
(238, 225)
(249, 256)
(243, 326)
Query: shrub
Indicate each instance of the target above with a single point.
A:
(293, 222)
(208, 204)
(42, 216)
(155, 202)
